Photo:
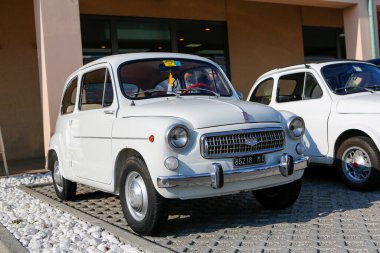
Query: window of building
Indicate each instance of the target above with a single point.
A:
(263, 92)
(106, 35)
(68, 101)
(96, 43)
(96, 90)
(323, 43)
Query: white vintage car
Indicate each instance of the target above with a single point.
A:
(158, 126)
(340, 103)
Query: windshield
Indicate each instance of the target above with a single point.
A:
(169, 77)
(351, 77)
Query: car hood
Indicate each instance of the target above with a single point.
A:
(359, 103)
(206, 112)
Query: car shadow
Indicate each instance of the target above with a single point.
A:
(322, 194)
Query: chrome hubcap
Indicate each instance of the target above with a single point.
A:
(137, 196)
(58, 180)
(356, 164)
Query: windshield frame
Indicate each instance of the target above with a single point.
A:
(209, 64)
(352, 89)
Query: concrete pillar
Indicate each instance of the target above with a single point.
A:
(357, 31)
(59, 53)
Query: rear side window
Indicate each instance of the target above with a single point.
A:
(290, 87)
(68, 102)
(263, 92)
(96, 90)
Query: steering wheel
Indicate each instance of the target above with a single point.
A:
(195, 85)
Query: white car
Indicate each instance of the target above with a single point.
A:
(158, 126)
(340, 103)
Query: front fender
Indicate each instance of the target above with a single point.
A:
(133, 133)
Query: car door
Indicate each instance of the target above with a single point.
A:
(302, 94)
(65, 119)
(92, 126)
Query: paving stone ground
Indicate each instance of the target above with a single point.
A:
(327, 217)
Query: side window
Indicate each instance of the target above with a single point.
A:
(68, 101)
(312, 89)
(96, 90)
(263, 92)
(290, 87)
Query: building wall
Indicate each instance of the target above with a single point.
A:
(325, 17)
(252, 49)
(20, 100)
(261, 36)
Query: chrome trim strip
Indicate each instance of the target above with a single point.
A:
(130, 138)
(91, 137)
(204, 150)
(244, 174)
(115, 138)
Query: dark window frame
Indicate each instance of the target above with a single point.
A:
(69, 85)
(172, 25)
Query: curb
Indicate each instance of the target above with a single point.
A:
(8, 243)
(124, 235)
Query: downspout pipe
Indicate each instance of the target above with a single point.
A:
(372, 28)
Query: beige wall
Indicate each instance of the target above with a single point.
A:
(262, 37)
(318, 16)
(20, 103)
(178, 9)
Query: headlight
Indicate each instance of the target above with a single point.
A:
(178, 137)
(296, 127)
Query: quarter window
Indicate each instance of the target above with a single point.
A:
(312, 89)
(263, 92)
(68, 102)
(96, 91)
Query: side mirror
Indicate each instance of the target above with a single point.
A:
(240, 95)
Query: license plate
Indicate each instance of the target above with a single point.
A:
(248, 160)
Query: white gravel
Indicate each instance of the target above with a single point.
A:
(41, 227)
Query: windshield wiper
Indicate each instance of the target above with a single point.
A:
(346, 89)
(181, 91)
(146, 91)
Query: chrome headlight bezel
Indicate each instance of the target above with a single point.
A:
(173, 132)
(290, 127)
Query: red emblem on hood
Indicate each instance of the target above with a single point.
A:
(245, 115)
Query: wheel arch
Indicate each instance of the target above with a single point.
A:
(346, 135)
(50, 154)
(123, 155)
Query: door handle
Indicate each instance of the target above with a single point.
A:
(109, 111)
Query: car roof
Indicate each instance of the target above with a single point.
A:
(120, 58)
(313, 65)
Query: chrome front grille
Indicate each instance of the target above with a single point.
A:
(242, 142)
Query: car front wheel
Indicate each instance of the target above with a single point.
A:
(358, 161)
(65, 189)
(279, 197)
(144, 208)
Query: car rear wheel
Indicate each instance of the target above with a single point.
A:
(279, 197)
(358, 161)
(65, 189)
(144, 208)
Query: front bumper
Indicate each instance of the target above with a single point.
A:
(217, 177)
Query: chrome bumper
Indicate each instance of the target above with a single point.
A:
(217, 177)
